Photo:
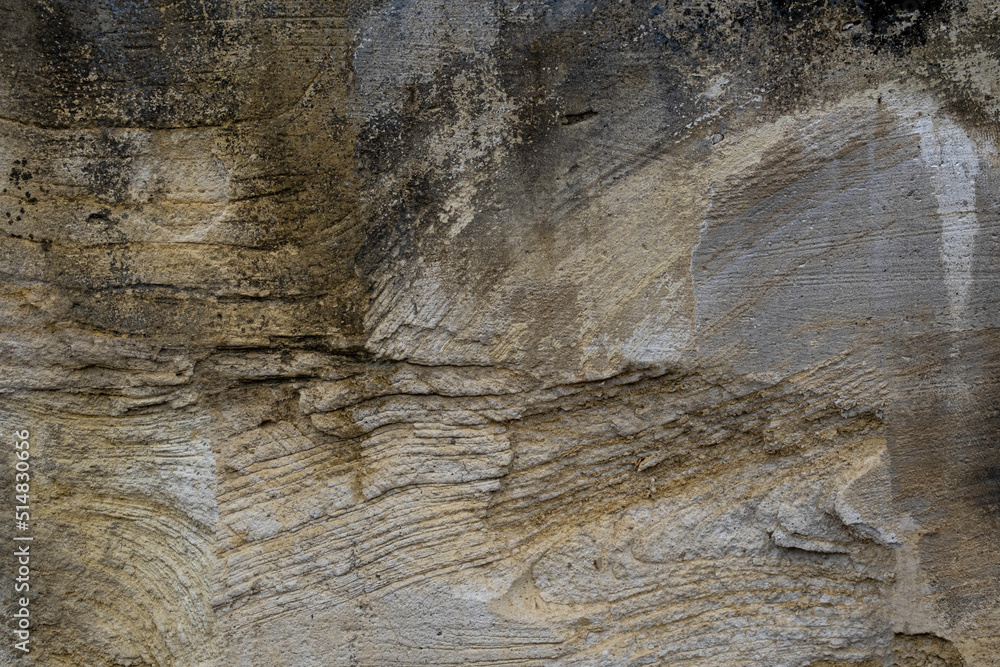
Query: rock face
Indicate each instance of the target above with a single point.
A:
(509, 333)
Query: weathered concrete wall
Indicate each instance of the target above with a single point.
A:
(430, 332)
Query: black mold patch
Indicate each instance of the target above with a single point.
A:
(900, 24)
(19, 173)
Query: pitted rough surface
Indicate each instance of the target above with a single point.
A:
(356, 332)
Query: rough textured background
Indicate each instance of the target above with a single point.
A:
(514, 333)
